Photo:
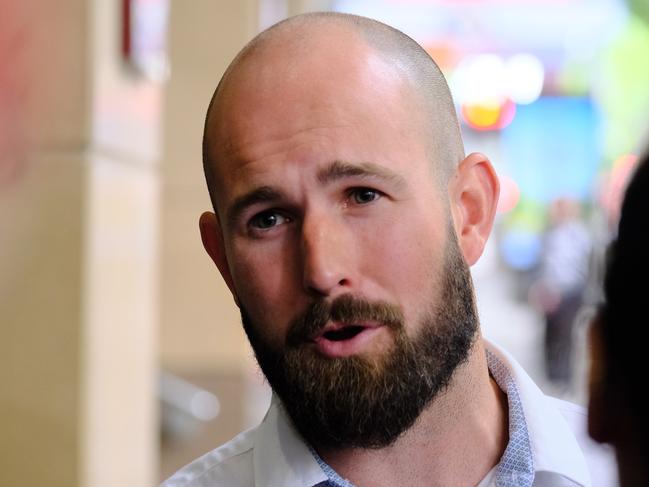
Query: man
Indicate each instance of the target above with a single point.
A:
(618, 402)
(346, 215)
(558, 293)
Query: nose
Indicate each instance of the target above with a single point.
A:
(326, 258)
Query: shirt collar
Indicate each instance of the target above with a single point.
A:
(281, 456)
(285, 459)
(554, 447)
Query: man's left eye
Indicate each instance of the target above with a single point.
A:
(362, 196)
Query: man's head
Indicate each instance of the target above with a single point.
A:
(346, 215)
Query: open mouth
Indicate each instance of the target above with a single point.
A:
(345, 333)
(342, 340)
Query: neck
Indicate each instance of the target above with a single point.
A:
(456, 440)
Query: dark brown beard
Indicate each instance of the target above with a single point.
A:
(362, 402)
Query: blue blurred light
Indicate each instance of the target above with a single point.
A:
(520, 249)
(553, 148)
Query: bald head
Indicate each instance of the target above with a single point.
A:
(304, 49)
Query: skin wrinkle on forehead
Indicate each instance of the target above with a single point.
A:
(341, 169)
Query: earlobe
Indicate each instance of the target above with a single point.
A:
(474, 196)
(213, 243)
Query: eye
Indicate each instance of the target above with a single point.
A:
(362, 196)
(267, 219)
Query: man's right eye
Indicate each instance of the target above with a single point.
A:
(267, 219)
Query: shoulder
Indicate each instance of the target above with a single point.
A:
(228, 465)
(577, 418)
(569, 410)
(600, 458)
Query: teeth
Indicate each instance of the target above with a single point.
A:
(343, 333)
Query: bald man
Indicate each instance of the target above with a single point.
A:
(346, 216)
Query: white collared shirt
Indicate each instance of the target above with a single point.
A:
(551, 433)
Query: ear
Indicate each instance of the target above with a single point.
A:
(212, 238)
(599, 414)
(473, 193)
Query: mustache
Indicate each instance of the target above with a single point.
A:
(345, 309)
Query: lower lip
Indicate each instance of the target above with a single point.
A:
(345, 348)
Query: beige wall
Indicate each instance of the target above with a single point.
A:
(199, 324)
(77, 252)
(42, 133)
(40, 334)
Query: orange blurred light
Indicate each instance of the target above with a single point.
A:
(481, 117)
(489, 116)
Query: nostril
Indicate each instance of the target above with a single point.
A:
(324, 282)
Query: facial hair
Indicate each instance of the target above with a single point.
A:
(368, 402)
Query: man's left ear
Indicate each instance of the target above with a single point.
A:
(473, 192)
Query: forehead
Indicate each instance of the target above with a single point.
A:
(345, 97)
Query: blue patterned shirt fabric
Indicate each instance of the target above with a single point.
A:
(516, 467)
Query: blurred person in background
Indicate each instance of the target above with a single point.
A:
(346, 216)
(558, 293)
(618, 405)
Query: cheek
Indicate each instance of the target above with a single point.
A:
(406, 261)
(264, 277)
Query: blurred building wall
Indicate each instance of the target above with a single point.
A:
(45, 113)
(78, 206)
(199, 323)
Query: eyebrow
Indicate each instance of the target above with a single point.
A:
(263, 194)
(340, 170)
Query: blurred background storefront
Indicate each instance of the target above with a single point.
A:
(122, 354)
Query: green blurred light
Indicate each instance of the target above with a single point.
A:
(622, 89)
